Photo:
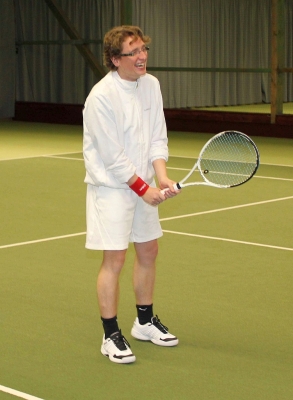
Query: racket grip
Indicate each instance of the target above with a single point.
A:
(176, 186)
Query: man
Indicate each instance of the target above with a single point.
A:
(125, 145)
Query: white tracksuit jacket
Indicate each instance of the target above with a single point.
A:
(124, 130)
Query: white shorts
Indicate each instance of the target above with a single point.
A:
(116, 217)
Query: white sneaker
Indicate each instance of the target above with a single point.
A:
(117, 349)
(154, 331)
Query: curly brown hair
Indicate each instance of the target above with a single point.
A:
(114, 39)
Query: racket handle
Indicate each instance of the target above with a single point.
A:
(176, 186)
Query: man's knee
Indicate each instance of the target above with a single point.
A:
(114, 260)
(147, 252)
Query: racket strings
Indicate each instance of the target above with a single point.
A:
(228, 160)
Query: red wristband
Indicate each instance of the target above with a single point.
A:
(139, 187)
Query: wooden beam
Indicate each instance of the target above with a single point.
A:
(278, 58)
(56, 42)
(84, 50)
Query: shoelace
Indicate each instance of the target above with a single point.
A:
(158, 324)
(120, 341)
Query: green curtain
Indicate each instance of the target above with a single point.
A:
(185, 34)
(7, 59)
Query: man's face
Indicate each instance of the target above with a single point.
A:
(131, 68)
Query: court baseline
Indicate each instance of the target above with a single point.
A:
(18, 394)
(228, 240)
(172, 218)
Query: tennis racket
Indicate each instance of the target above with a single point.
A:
(227, 160)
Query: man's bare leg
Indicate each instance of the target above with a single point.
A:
(146, 326)
(144, 272)
(108, 282)
(114, 344)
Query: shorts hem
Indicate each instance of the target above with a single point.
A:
(89, 246)
(147, 239)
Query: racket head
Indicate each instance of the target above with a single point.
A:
(228, 159)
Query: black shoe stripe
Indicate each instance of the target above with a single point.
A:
(121, 357)
(169, 339)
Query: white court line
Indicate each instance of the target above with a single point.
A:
(181, 169)
(226, 208)
(39, 155)
(65, 158)
(274, 178)
(6, 246)
(59, 155)
(195, 158)
(161, 219)
(177, 169)
(18, 394)
(173, 168)
(255, 176)
(229, 240)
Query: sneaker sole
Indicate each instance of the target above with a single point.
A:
(123, 360)
(160, 342)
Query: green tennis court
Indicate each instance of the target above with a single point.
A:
(224, 281)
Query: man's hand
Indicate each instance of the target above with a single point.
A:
(153, 196)
(164, 182)
(168, 186)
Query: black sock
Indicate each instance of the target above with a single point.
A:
(144, 313)
(110, 326)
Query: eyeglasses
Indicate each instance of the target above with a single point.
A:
(136, 52)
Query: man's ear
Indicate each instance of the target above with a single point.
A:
(115, 61)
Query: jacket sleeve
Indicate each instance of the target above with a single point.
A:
(103, 141)
(159, 144)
